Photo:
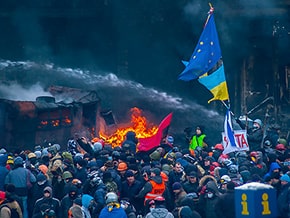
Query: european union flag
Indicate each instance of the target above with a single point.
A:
(206, 54)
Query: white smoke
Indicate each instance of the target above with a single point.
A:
(16, 92)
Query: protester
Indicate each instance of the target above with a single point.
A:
(9, 207)
(254, 134)
(199, 140)
(22, 179)
(194, 184)
(47, 205)
(159, 210)
(283, 198)
(226, 200)
(113, 208)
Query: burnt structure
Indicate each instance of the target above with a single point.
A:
(49, 119)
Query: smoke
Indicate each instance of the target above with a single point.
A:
(16, 92)
(116, 93)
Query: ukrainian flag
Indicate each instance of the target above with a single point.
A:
(216, 83)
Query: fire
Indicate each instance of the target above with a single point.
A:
(138, 125)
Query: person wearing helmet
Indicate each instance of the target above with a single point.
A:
(217, 151)
(113, 208)
(255, 134)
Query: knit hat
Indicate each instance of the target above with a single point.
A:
(18, 161)
(176, 186)
(285, 178)
(129, 173)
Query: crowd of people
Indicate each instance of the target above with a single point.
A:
(88, 178)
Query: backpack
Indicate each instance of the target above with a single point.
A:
(14, 212)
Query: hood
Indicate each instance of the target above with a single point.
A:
(86, 200)
(211, 185)
(159, 212)
(3, 159)
(47, 188)
(274, 166)
(157, 179)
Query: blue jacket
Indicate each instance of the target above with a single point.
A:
(115, 213)
(3, 170)
(19, 178)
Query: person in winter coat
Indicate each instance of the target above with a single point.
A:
(254, 134)
(3, 170)
(7, 204)
(274, 167)
(130, 142)
(99, 193)
(209, 199)
(283, 200)
(155, 187)
(160, 210)
(37, 191)
(68, 200)
(227, 200)
(113, 208)
(191, 184)
(87, 201)
(47, 205)
(199, 140)
(19, 177)
(179, 193)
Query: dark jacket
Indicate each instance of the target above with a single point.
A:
(130, 191)
(227, 200)
(283, 202)
(47, 204)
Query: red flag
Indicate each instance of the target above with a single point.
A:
(146, 144)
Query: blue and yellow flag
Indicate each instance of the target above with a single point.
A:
(206, 63)
(215, 82)
(206, 54)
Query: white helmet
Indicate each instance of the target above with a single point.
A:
(111, 197)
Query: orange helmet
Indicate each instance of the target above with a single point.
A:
(122, 166)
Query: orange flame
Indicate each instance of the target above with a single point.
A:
(138, 125)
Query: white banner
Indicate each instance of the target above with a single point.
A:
(241, 139)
